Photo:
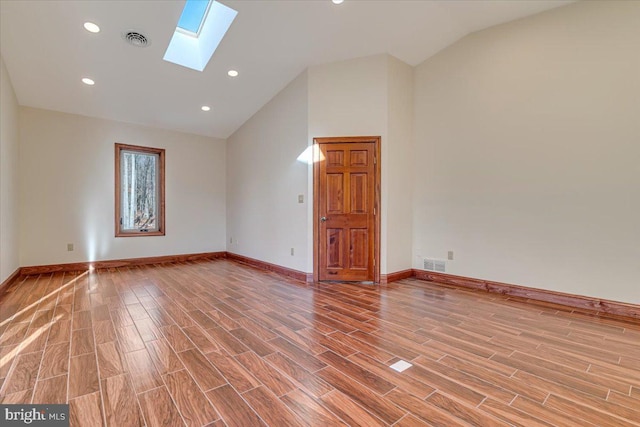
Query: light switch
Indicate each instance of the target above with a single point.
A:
(300, 198)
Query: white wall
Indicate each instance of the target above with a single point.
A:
(9, 242)
(373, 96)
(527, 152)
(264, 218)
(397, 156)
(363, 96)
(517, 148)
(67, 190)
(349, 98)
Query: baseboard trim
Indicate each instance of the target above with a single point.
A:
(597, 305)
(82, 266)
(394, 277)
(13, 277)
(289, 272)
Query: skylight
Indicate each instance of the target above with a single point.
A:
(200, 30)
(193, 15)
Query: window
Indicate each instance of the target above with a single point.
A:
(139, 191)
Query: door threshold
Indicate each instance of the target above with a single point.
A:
(347, 282)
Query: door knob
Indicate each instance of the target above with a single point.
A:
(323, 219)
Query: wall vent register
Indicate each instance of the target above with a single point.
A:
(435, 265)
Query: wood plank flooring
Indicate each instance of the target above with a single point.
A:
(215, 343)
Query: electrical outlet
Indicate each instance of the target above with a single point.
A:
(292, 251)
(69, 247)
(450, 255)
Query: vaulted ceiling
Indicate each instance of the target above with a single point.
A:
(47, 52)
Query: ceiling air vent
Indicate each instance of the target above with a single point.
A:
(136, 38)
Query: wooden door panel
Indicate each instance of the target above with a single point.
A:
(359, 158)
(359, 193)
(335, 158)
(334, 195)
(335, 248)
(346, 205)
(358, 249)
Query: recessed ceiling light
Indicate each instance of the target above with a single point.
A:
(206, 108)
(337, 1)
(232, 73)
(91, 27)
(88, 81)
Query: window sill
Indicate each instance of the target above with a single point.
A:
(139, 234)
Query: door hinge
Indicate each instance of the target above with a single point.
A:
(374, 211)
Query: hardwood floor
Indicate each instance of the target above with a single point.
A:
(214, 343)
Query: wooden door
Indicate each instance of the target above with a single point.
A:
(346, 203)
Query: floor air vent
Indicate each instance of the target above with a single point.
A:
(435, 265)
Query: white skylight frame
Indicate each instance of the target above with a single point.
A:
(195, 50)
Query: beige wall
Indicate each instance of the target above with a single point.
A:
(347, 98)
(397, 156)
(517, 148)
(350, 98)
(67, 190)
(264, 218)
(373, 96)
(527, 152)
(9, 244)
